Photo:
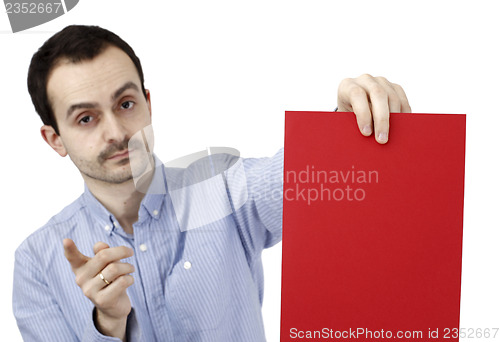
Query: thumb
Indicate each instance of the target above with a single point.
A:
(71, 252)
(99, 246)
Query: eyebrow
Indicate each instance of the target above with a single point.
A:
(88, 105)
(126, 86)
(85, 105)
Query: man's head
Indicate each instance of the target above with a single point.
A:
(88, 87)
(75, 43)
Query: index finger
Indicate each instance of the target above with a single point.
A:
(71, 252)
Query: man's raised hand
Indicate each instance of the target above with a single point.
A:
(372, 99)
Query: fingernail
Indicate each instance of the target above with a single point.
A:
(367, 130)
(382, 137)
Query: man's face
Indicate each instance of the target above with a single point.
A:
(98, 105)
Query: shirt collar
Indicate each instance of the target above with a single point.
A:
(100, 214)
(151, 204)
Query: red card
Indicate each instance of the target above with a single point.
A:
(372, 234)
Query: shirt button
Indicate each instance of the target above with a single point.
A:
(143, 247)
(107, 228)
(187, 265)
(155, 212)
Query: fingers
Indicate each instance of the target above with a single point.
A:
(106, 256)
(405, 105)
(103, 258)
(111, 295)
(99, 246)
(116, 288)
(112, 273)
(115, 270)
(372, 99)
(71, 252)
(389, 94)
(354, 98)
(381, 103)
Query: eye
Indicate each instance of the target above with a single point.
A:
(127, 105)
(85, 120)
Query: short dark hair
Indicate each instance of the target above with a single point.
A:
(75, 43)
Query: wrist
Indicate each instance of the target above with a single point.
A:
(110, 326)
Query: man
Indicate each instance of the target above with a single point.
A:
(136, 273)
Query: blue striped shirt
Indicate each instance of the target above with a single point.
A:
(199, 281)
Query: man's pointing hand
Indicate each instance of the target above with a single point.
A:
(104, 279)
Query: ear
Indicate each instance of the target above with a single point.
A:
(148, 100)
(53, 139)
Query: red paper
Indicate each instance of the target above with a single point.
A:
(372, 234)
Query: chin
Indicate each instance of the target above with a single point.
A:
(116, 178)
(120, 179)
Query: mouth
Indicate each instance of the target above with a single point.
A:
(120, 155)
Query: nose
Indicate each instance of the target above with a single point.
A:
(112, 128)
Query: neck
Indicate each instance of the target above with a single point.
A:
(122, 200)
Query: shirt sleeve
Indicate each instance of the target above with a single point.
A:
(133, 332)
(258, 213)
(39, 316)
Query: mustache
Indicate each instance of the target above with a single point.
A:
(117, 147)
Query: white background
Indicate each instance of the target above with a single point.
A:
(222, 73)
